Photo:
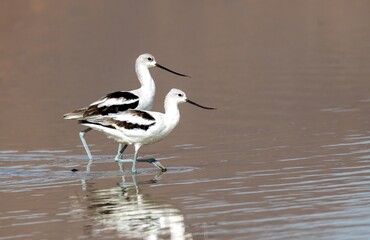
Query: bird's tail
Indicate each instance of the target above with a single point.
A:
(75, 115)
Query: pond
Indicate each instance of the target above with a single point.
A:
(286, 155)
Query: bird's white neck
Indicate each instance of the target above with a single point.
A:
(172, 113)
(147, 88)
(146, 80)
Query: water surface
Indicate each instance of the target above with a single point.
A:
(285, 156)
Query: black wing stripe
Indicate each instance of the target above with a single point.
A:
(128, 125)
(121, 124)
(142, 114)
(117, 108)
(95, 123)
(95, 110)
(125, 95)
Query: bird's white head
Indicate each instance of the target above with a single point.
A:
(147, 60)
(178, 96)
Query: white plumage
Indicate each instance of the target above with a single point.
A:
(117, 102)
(142, 127)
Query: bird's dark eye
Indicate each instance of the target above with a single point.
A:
(150, 59)
(180, 95)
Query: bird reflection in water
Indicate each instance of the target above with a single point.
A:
(131, 214)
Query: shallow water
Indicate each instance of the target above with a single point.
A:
(285, 155)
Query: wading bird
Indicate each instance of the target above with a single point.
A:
(120, 101)
(138, 128)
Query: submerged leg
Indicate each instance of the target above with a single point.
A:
(159, 165)
(88, 166)
(121, 149)
(82, 133)
(135, 183)
(137, 147)
(120, 164)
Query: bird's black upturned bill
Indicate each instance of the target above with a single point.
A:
(160, 66)
(196, 104)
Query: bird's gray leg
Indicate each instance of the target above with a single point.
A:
(82, 133)
(121, 169)
(135, 183)
(137, 147)
(120, 164)
(121, 149)
(88, 166)
(157, 164)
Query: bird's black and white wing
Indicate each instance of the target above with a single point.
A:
(129, 120)
(112, 103)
